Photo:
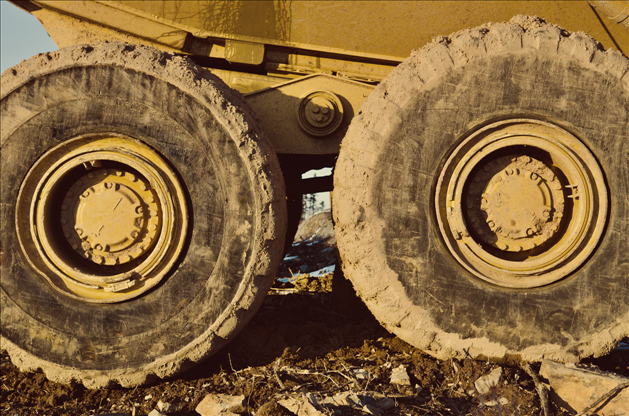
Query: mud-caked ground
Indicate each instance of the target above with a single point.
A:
(311, 335)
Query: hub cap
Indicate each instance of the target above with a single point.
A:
(102, 219)
(521, 203)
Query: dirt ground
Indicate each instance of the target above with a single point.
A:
(310, 335)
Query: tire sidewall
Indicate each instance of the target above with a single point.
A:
(222, 161)
(426, 108)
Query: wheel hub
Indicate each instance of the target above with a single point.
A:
(521, 203)
(517, 207)
(102, 219)
(110, 217)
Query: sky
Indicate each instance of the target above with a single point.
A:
(21, 36)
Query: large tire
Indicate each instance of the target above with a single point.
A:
(188, 262)
(417, 219)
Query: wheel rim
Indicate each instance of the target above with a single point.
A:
(521, 203)
(102, 218)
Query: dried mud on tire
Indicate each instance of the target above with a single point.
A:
(232, 187)
(390, 232)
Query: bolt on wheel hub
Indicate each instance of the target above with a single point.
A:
(521, 203)
(102, 219)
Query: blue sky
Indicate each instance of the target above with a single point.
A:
(21, 36)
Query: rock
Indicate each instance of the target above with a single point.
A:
(385, 403)
(346, 398)
(167, 407)
(219, 404)
(303, 406)
(361, 374)
(485, 383)
(113, 414)
(366, 402)
(272, 408)
(501, 401)
(576, 388)
(148, 397)
(400, 376)
(317, 227)
(156, 412)
(372, 410)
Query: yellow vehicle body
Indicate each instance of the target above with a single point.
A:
(256, 46)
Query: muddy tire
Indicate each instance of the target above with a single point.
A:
(143, 214)
(480, 198)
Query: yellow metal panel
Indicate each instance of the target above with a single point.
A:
(277, 109)
(66, 30)
(121, 20)
(366, 27)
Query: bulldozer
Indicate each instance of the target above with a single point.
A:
(152, 176)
